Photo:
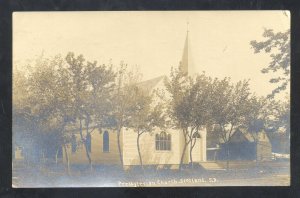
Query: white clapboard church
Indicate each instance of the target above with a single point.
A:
(162, 148)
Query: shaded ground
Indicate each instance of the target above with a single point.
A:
(52, 175)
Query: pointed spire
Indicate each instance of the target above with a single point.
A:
(187, 26)
(184, 64)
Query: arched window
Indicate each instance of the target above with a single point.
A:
(105, 141)
(73, 144)
(89, 142)
(196, 135)
(163, 141)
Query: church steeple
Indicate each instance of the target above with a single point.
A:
(184, 63)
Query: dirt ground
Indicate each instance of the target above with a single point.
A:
(56, 176)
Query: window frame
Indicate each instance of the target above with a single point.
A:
(74, 145)
(103, 142)
(163, 142)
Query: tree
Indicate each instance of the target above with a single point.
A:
(278, 46)
(229, 108)
(188, 107)
(256, 117)
(201, 110)
(101, 80)
(91, 89)
(282, 117)
(119, 105)
(100, 84)
(278, 124)
(269, 115)
(79, 93)
(60, 92)
(144, 115)
(179, 105)
(44, 107)
(21, 123)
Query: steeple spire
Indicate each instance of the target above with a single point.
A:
(184, 64)
(187, 27)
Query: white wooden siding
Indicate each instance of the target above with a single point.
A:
(148, 151)
(128, 142)
(97, 154)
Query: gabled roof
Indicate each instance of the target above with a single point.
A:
(151, 83)
(242, 134)
(241, 131)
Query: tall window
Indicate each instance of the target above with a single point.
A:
(196, 135)
(74, 144)
(105, 141)
(163, 141)
(89, 142)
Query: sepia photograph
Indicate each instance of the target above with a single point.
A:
(151, 98)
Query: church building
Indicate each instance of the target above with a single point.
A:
(161, 148)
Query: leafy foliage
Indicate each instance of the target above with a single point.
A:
(59, 92)
(189, 105)
(278, 46)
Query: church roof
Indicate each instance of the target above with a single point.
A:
(151, 83)
(184, 65)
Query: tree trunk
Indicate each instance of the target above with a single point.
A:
(85, 145)
(88, 155)
(183, 152)
(56, 154)
(191, 152)
(42, 162)
(139, 151)
(43, 159)
(191, 157)
(215, 155)
(182, 156)
(256, 157)
(119, 146)
(67, 159)
(287, 139)
(88, 152)
(227, 147)
(227, 157)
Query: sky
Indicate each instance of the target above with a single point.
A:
(153, 41)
